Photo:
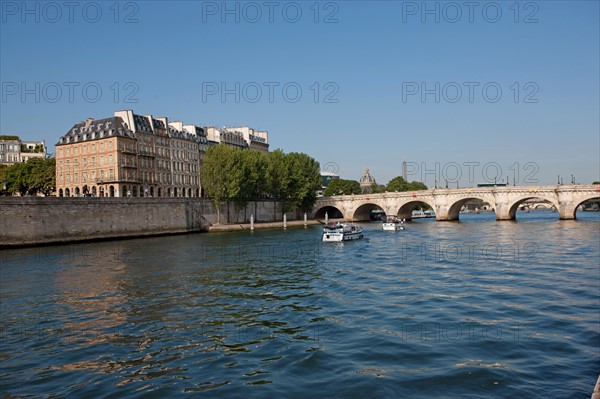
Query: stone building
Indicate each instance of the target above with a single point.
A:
(14, 150)
(130, 155)
(366, 182)
(256, 140)
(243, 137)
(96, 157)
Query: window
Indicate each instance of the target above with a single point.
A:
(110, 159)
(111, 174)
(110, 145)
(101, 146)
(75, 178)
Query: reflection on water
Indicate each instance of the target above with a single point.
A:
(478, 307)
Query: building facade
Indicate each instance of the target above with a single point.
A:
(130, 155)
(242, 137)
(14, 150)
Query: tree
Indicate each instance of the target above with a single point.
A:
(3, 169)
(249, 175)
(305, 180)
(342, 186)
(399, 184)
(244, 175)
(596, 182)
(43, 175)
(31, 177)
(217, 175)
(17, 178)
(278, 177)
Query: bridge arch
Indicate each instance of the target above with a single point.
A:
(581, 201)
(455, 207)
(543, 206)
(514, 206)
(363, 211)
(332, 212)
(405, 210)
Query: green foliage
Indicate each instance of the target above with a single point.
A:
(596, 182)
(342, 186)
(305, 180)
(399, 184)
(7, 137)
(376, 188)
(37, 175)
(37, 148)
(292, 179)
(218, 175)
(244, 175)
(3, 172)
(278, 176)
(248, 176)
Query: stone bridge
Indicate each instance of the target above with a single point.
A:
(447, 202)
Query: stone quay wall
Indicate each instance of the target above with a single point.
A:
(26, 221)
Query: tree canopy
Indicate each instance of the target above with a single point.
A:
(342, 186)
(241, 176)
(399, 184)
(37, 175)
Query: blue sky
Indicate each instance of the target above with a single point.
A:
(528, 75)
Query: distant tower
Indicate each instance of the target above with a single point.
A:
(366, 182)
(404, 170)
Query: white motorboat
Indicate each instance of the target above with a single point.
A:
(341, 232)
(423, 214)
(392, 223)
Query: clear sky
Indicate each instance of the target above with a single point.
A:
(493, 88)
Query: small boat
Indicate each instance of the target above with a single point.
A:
(338, 232)
(392, 223)
(423, 214)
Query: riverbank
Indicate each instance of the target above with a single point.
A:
(32, 221)
(268, 225)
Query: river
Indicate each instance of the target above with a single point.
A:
(467, 309)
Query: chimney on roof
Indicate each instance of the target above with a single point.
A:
(88, 122)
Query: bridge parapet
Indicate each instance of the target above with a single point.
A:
(447, 203)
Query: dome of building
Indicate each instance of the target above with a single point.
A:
(366, 182)
(367, 178)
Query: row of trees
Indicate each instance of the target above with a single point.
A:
(342, 186)
(240, 176)
(37, 175)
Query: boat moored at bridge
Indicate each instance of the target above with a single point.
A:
(393, 223)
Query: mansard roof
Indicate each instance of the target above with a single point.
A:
(96, 129)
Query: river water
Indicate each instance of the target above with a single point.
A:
(467, 309)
